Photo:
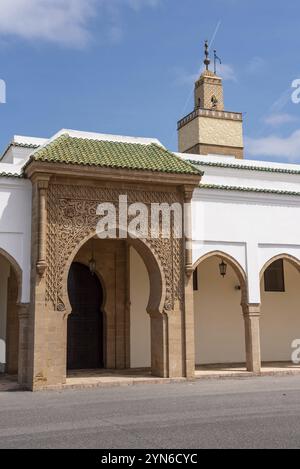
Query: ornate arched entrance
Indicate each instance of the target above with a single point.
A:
(112, 276)
(68, 218)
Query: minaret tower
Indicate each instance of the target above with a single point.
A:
(209, 129)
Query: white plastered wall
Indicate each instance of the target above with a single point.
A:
(4, 274)
(251, 228)
(15, 226)
(140, 338)
(219, 325)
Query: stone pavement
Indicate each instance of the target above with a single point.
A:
(9, 383)
(82, 379)
(239, 370)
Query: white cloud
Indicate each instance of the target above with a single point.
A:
(137, 4)
(279, 119)
(275, 147)
(60, 21)
(65, 22)
(227, 72)
(256, 65)
(183, 78)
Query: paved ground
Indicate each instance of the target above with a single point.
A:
(110, 378)
(256, 412)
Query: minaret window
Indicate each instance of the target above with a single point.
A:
(214, 101)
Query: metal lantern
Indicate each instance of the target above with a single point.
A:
(223, 268)
(92, 265)
(92, 261)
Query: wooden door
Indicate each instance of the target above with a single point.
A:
(85, 323)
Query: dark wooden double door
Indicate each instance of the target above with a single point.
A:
(85, 323)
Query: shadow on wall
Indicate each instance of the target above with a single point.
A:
(280, 317)
(140, 333)
(219, 324)
(2, 351)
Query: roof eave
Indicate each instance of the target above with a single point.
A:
(39, 168)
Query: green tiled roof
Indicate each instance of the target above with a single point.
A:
(10, 175)
(25, 145)
(135, 156)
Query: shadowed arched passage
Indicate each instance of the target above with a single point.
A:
(280, 308)
(10, 294)
(112, 267)
(219, 323)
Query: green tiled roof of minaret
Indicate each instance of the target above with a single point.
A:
(101, 153)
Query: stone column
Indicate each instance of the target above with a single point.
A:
(12, 326)
(127, 309)
(42, 231)
(252, 336)
(23, 314)
(159, 345)
(189, 327)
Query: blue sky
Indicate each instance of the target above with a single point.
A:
(128, 66)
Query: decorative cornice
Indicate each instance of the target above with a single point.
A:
(244, 167)
(248, 189)
(11, 175)
(210, 113)
(38, 168)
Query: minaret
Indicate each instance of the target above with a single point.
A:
(209, 129)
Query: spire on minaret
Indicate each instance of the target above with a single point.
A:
(206, 52)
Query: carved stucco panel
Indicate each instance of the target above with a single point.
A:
(72, 217)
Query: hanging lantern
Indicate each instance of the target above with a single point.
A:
(223, 268)
(92, 265)
(92, 261)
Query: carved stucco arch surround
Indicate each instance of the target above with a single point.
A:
(72, 220)
(238, 269)
(287, 257)
(157, 295)
(16, 270)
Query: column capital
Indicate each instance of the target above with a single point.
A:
(189, 270)
(188, 193)
(251, 310)
(41, 267)
(43, 184)
(41, 180)
(23, 310)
